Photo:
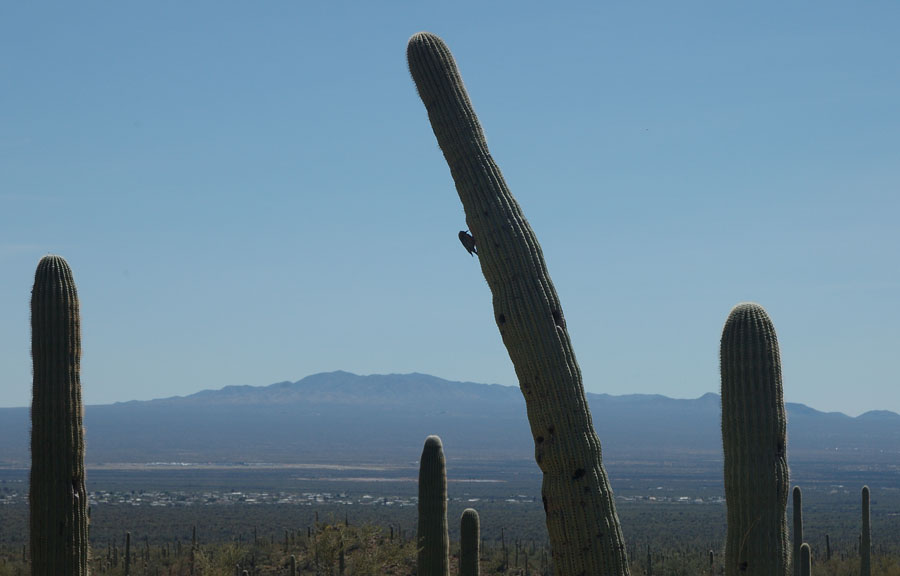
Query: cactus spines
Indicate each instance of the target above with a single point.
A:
(469, 542)
(865, 540)
(581, 517)
(57, 495)
(798, 529)
(433, 538)
(754, 439)
(805, 561)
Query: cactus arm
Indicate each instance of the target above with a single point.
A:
(584, 529)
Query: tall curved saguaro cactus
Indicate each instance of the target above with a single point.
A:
(57, 496)
(754, 438)
(469, 543)
(865, 537)
(584, 529)
(433, 539)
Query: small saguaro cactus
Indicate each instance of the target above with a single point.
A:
(798, 529)
(804, 560)
(469, 542)
(433, 538)
(57, 495)
(865, 539)
(754, 438)
(578, 502)
(128, 554)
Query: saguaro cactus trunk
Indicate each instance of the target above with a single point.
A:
(804, 560)
(581, 517)
(754, 438)
(57, 496)
(798, 528)
(433, 538)
(469, 543)
(865, 537)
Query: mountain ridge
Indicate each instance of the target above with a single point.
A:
(343, 417)
(318, 377)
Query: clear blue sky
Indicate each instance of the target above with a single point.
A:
(251, 192)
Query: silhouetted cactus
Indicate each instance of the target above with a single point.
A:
(433, 540)
(128, 554)
(798, 529)
(865, 540)
(581, 517)
(469, 542)
(57, 495)
(754, 438)
(805, 560)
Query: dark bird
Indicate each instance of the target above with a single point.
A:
(468, 241)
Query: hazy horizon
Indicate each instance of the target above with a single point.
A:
(251, 193)
(637, 393)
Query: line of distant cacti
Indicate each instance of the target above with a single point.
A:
(802, 550)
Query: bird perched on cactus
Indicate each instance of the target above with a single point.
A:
(468, 241)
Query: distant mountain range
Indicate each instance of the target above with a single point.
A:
(339, 417)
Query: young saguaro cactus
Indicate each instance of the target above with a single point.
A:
(57, 495)
(798, 529)
(469, 543)
(865, 539)
(128, 554)
(433, 538)
(804, 560)
(583, 527)
(754, 438)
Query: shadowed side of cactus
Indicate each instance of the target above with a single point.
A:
(582, 524)
(433, 538)
(469, 543)
(865, 540)
(57, 495)
(798, 529)
(754, 439)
